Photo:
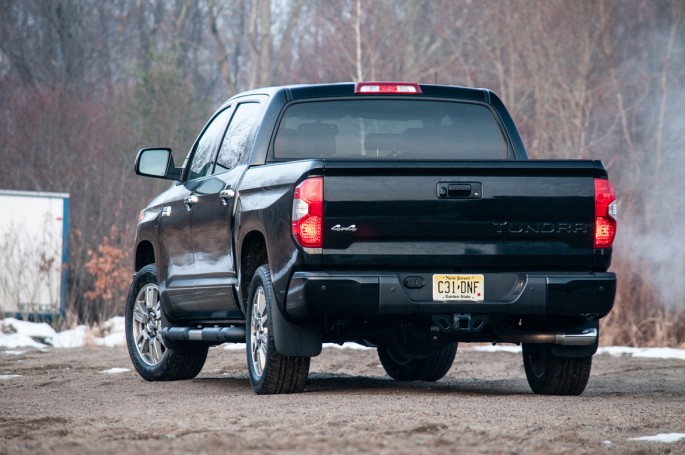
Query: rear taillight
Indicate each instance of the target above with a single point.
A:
(307, 218)
(605, 214)
(387, 88)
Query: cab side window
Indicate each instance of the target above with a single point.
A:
(203, 158)
(238, 138)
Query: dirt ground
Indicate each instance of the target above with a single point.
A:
(63, 403)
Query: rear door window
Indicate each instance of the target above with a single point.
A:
(238, 138)
(389, 129)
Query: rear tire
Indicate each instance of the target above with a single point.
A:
(403, 368)
(152, 359)
(549, 374)
(270, 372)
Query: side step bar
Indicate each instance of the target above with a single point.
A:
(210, 334)
(584, 337)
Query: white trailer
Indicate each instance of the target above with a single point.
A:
(33, 253)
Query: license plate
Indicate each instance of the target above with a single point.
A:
(458, 287)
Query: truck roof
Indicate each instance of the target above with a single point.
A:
(310, 91)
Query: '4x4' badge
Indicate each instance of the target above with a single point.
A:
(337, 227)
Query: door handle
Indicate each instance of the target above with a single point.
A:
(190, 201)
(227, 194)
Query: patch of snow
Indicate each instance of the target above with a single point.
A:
(616, 351)
(40, 330)
(607, 442)
(115, 371)
(349, 345)
(5, 377)
(497, 348)
(114, 325)
(354, 346)
(113, 340)
(18, 340)
(73, 338)
(15, 333)
(645, 353)
(662, 437)
(13, 352)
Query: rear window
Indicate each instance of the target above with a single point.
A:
(392, 129)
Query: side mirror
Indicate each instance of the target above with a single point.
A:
(158, 163)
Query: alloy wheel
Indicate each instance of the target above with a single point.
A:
(259, 332)
(147, 325)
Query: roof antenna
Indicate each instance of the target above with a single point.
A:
(436, 78)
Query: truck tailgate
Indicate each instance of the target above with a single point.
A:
(461, 215)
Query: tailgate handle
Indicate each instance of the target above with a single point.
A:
(459, 190)
(470, 190)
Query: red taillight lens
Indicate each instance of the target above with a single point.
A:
(387, 88)
(307, 218)
(605, 214)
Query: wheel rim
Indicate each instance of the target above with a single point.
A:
(537, 359)
(147, 326)
(398, 357)
(259, 332)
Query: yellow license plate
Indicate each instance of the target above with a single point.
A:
(458, 287)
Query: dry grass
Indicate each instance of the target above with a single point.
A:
(69, 321)
(648, 311)
(636, 324)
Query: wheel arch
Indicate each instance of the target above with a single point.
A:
(253, 253)
(145, 254)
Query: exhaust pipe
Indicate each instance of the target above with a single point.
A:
(584, 337)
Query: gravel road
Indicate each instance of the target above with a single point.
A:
(61, 402)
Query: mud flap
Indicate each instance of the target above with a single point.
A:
(302, 339)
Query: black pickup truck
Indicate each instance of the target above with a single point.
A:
(399, 216)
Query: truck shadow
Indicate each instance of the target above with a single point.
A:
(342, 384)
(327, 383)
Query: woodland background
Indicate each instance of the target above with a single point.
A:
(85, 84)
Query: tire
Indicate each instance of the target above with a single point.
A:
(431, 368)
(269, 371)
(549, 374)
(152, 359)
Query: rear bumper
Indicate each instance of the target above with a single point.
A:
(312, 294)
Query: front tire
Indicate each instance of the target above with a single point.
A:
(549, 374)
(403, 368)
(270, 372)
(152, 359)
